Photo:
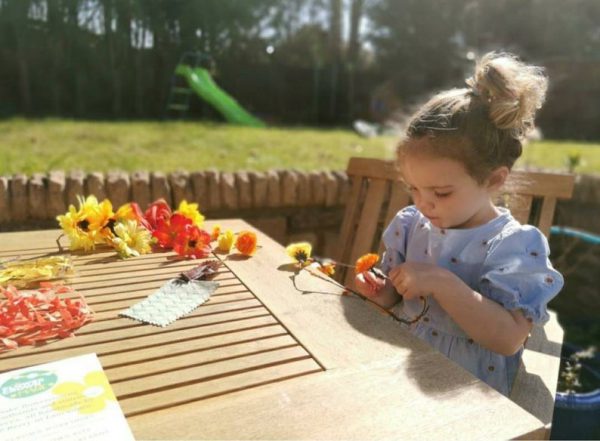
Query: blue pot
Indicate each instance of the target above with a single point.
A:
(576, 416)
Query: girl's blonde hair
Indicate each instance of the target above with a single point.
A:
(483, 125)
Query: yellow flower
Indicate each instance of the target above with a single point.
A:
(125, 212)
(191, 212)
(89, 397)
(100, 214)
(130, 239)
(300, 252)
(77, 228)
(225, 241)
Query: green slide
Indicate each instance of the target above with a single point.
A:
(202, 83)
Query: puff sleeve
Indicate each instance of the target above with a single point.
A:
(517, 273)
(395, 238)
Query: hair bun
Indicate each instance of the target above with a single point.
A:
(512, 90)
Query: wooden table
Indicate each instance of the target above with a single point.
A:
(262, 360)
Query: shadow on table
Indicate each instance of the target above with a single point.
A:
(417, 366)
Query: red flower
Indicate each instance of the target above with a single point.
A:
(157, 211)
(168, 230)
(139, 216)
(193, 242)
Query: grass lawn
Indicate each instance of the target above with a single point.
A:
(28, 146)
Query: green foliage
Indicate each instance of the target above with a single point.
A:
(570, 380)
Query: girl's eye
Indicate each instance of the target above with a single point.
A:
(442, 195)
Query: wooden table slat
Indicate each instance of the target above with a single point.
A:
(150, 341)
(193, 373)
(194, 392)
(202, 325)
(192, 344)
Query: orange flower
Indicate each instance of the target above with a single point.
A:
(215, 232)
(327, 268)
(365, 263)
(246, 243)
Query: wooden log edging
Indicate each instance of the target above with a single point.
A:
(289, 205)
(44, 196)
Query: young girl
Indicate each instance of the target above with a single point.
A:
(486, 276)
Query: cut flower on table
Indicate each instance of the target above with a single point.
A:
(246, 243)
(132, 232)
(225, 241)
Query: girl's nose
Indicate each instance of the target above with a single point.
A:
(423, 204)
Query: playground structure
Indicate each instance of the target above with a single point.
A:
(199, 81)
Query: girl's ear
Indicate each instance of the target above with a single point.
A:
(497, 178)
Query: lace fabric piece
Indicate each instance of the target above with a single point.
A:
(173, 300)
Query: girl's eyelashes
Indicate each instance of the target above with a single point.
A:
(411, 189)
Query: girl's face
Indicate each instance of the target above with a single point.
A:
(445, 193)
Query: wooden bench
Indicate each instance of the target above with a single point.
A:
(376, 196)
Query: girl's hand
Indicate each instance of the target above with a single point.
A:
(415, 279)
(368, 284)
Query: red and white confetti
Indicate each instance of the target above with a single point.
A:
(29, 317)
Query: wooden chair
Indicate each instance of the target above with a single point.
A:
(377, 195)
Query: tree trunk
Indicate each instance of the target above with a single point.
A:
(335, 31)
(140, 76)
(17, 11)
(56, 41)
(335, 53)
(354, 44)
(112, 62)
(123, 55)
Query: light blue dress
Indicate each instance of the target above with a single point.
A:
(503, 260)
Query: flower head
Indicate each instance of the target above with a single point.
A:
(132, 211)
(225, 241)
(246, 243)
(167, 230)
(191, 212)
(300, 252)
(156, 211)
(100, 213)
(193, 242)
(131, 239)
(327, 268)
(216, 231)
(365, 263)
(76, 225)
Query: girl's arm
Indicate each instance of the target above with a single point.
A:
(485, 321)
